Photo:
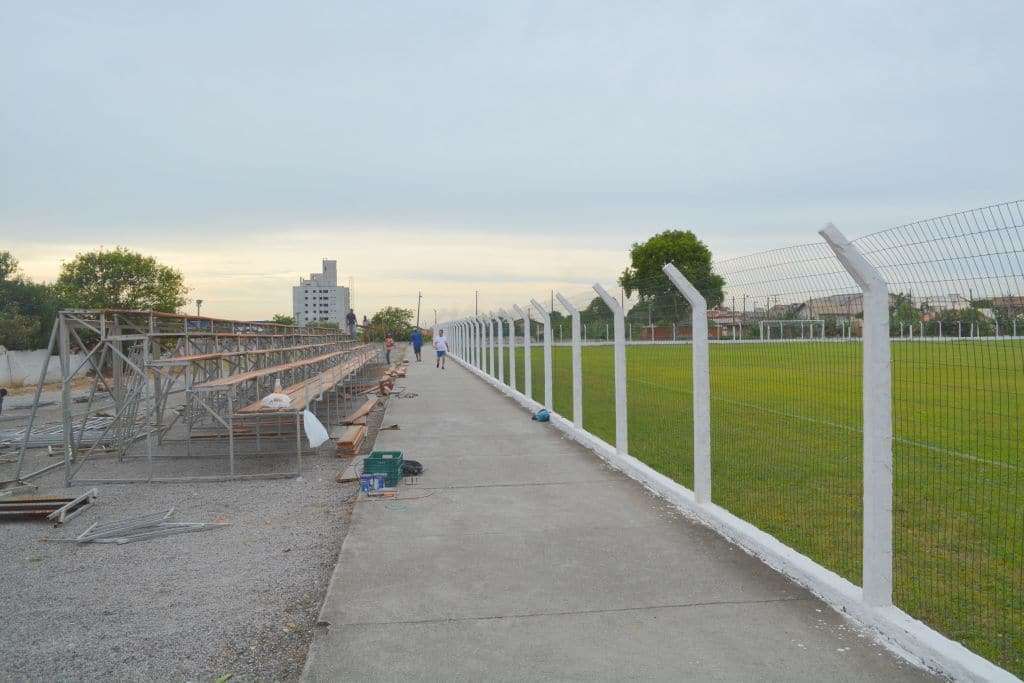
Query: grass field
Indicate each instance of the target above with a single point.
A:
(786, 456)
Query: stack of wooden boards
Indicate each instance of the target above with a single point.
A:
(387, 382)
(352, 434)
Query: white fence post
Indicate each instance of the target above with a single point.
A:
(511, 321)
(577, 363)
(494, 344)
(527, 361)
(877, 407)
(701, 384)
(501, 351)
(479, 343)
(477, 333)
(621, 417)
(485, 325)
(546, 318)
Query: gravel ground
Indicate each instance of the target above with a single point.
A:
(240, 600)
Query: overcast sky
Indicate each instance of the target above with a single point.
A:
(502, 146)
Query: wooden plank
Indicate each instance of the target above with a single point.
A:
(361, 411)
(232, 380)
(308, 390)
(352, 434)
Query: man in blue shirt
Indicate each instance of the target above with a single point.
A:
(417, 343)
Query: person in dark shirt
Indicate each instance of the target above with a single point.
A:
(417, 343)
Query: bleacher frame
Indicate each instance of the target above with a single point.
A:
(180, 386)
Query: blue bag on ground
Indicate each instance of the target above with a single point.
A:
(542, 415)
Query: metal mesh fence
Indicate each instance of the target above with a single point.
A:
(786, 358)
(598, 366)
(785, 409)
(537, 360)
(561, 362)
(956, 298)
(659, 383)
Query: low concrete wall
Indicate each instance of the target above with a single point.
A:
(21, 368)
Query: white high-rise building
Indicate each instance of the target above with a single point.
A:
(320, 299)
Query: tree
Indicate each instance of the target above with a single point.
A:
(121, 279)
(27, 309)
(282, 319)
(688, 254)
(902, 312)
(397, 321)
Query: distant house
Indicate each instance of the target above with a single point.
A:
(945, 302)
(784, 311)
(834, 306)
(1011, 304)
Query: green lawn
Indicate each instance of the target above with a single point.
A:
(786, 456)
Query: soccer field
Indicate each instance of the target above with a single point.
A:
(786, 456)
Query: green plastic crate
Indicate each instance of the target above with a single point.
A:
(388, 463)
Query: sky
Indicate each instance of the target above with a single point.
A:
(508, 147)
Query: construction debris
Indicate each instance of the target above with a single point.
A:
(351, 439)
(142, 528)
(360, 412)
(58, 509)
(349, 474)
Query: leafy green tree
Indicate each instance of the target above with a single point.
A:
(397, 321)
(121, 279)
(645, 277)
(902, 312)
(282, 319)
(27, 309)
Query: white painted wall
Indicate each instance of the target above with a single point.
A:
(21, 368)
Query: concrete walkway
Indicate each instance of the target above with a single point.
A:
(520, 556)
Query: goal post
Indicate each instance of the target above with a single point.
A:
(796, 328)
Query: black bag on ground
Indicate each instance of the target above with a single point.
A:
(411, 468)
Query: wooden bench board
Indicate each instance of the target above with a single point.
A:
(303, 392)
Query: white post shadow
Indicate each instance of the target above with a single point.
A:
(527, 361)
(877, 407)
(621, 417)
(511, 322)
(577, 362)
(701, 384)
(501, 350)
(546, 318)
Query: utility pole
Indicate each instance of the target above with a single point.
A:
(199, 307)
(434, 328)
(419, 300)
(476, 305)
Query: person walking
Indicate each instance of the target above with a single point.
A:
(389, 343)
(350, 320)
(417, 343)
(441, 346)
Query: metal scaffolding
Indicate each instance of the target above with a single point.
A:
(166, 388)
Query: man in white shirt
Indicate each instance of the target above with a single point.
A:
(441, 346)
